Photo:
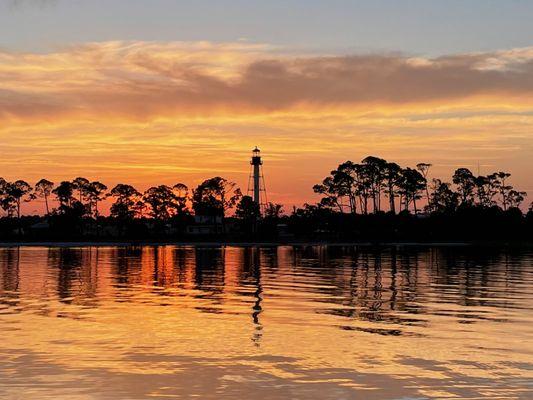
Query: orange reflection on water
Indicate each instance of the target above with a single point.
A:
(281, 322)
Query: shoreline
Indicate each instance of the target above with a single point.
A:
(74, 244)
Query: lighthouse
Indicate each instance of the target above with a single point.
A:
(256, 182)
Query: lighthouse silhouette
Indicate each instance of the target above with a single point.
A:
(256, 181)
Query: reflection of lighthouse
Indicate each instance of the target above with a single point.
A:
(256, 182)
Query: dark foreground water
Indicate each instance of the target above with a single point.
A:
(266, 323)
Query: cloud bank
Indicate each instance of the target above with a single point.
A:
(144, 80)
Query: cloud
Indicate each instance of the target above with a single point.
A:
(144, 80)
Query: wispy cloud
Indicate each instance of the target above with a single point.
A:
(166, 79)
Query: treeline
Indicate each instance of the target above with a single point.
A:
(362, 188)
(72, 208)
(81, 198)
(371, 200)
(380, 200)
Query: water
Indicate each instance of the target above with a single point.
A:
(266, 323)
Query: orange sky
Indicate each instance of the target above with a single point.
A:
(147, 113)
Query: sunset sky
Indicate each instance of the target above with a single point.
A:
(160, 91)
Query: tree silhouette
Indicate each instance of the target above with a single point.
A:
(95, 192)
(273, 211)
(488, 202)
(515, 198)
(215, 196)
(411, 183)
(392, 176)
(13, 194)
(375, 172)
(82, 186)
(64, 193)
(162, 201)
(43, 189)
(424, 170)
(443, 198)
(248, 211)
(465, 182)
(126, 197)
(181, 191)
(140, 207)
(331, 191)
(503, 188)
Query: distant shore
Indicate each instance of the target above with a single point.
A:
(260, 244)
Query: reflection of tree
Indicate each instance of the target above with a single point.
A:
(378, 290)
(10, 276)
(68, 261)
(209, 276)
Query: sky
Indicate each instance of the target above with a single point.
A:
(161, 91)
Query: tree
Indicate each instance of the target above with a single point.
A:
(375, 171)
(13, 194)
(465, 182)
(181, 191)
(515, 198)
(64, 193)
(43, 189)
(3, 185)
(215, 196)
(339, 186)
(392, 176)
(162, 201)
(424, 170)
(95, 192)
(126, 197)
(502, 187)
(248, 212)
(140, 208)
(332, 193)
(485, 189)
(348, 178)
(82, 186)
(247, 209)
(411, 183)
(443, 198)
(273, 211)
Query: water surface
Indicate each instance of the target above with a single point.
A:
(266, 323)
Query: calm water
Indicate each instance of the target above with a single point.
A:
(265, 323)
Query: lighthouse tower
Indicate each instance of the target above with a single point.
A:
(256, 182)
